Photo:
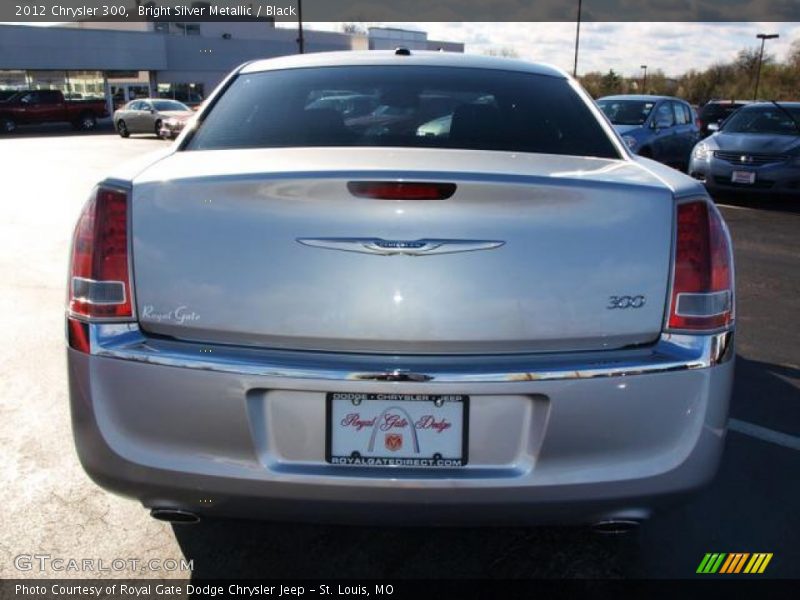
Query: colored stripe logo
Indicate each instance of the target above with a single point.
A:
(734, 562)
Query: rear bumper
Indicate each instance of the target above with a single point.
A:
(168, 133)
(581, 438)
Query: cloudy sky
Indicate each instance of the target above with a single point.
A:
(672, 47)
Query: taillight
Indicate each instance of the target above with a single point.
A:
(702, 281)
(78, 335)
(401, 190)
(99, 279)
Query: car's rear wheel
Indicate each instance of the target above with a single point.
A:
(86, 122)
(8, 125)
(122, 129)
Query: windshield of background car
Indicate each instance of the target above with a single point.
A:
(168, 105)
(764, 119)
(626, 112)
(488, 109)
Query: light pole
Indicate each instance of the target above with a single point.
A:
(763, 37)
(644, 79)
(577, 39)
(301, 46)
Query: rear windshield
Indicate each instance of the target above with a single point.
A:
(167, 105)
(718, 112)
(480, 109)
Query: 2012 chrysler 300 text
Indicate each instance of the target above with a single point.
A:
(297, 313)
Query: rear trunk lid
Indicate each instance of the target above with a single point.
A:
(270, 248)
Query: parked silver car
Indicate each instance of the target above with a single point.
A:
(512, 319)
(756, 150)
(147, 115)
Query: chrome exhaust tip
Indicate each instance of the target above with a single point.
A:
(616, 526)
(175, 515)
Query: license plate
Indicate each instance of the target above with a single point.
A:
(743, 177)
(397, 430)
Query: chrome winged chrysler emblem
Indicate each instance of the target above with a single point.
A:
(424, 247)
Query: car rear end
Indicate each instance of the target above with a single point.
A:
(172, 126)
(482, 327)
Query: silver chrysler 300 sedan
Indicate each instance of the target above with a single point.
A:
(295, 314)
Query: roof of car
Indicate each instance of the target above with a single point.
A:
(642, 97)
(154, 100)
(389, 57)
(790, 104)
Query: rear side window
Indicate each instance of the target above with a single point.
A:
(169, 105)
(718, 112)
(407, 106)
(681, 114)
(664, 115)
(711, 112)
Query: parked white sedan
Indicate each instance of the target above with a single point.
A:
(147, 115)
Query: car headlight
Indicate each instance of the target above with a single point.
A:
(630, 141)
(702, 151)
(171, 122)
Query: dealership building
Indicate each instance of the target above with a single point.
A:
(185, 61)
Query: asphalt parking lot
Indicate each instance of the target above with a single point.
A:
(51, 508)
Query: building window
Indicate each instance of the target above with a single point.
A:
(11, 81)
(191, 94)
(75, 85)
(48, 80)
(186, 28)
(85, 85)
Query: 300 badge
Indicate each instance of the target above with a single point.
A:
(625, 302)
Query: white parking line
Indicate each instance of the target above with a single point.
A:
(762, 433)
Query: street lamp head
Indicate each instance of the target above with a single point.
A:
(763, 37)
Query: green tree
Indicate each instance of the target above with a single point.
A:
(734, 79)
(611, 83)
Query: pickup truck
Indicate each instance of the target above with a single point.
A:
(32, 107)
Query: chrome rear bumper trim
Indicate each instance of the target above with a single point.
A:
(672, 352)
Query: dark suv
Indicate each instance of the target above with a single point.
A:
(714, 112)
